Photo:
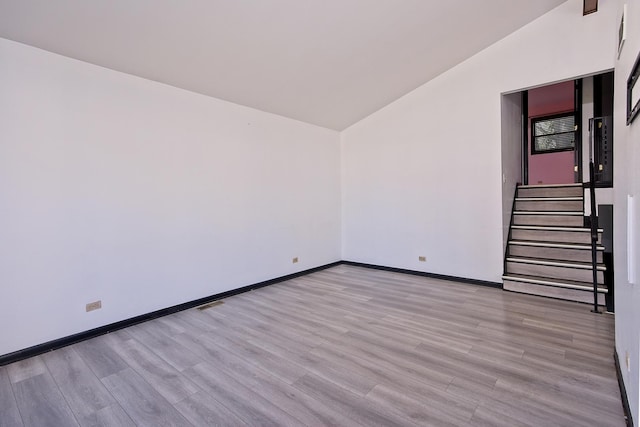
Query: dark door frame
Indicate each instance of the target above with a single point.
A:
(577, 107)
(603, 92)
(525, 137)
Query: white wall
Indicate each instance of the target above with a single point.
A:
(627, 182)
(511, 113)
(145, 196)
(422, 176)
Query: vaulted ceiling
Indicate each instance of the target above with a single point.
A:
(325, 62)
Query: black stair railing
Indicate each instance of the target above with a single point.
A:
(513, 209)
(596, 121)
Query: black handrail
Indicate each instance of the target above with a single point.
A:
(513, 208)
(593, 216)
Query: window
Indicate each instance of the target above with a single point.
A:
(553, 133)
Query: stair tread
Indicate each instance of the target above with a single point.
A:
(578, 184)
(554, 228)
(549, 213)
(555, 262)
(550, 199)
(560, 283)
(540, 244)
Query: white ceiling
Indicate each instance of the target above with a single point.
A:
(325, 62)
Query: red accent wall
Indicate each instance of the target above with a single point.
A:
(550, 168)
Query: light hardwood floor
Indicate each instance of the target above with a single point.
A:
(346, 346)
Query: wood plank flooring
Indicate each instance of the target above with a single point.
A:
(346, 346)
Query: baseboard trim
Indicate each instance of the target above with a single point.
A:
(623, 390)
(425, 274)
(92, 333)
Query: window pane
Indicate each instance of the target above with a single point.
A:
(562, 141)
(557, 125)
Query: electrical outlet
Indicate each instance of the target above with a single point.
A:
(294, 260)
(422, 258)
(96, 305)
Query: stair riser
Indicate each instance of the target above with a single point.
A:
(551, 192)
(553, 220)
(557, 205)
(553, 272)
(560, 254)
(553, 292)
(553, 236)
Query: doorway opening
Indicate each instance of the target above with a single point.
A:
(549, 135)
(552, 138)
(555, 153)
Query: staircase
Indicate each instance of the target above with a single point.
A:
(549, 249)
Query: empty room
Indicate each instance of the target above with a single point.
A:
(310, 213)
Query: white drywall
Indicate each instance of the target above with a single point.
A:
(511, 156)
(422, 176)
(145, 196)
(626, 177)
